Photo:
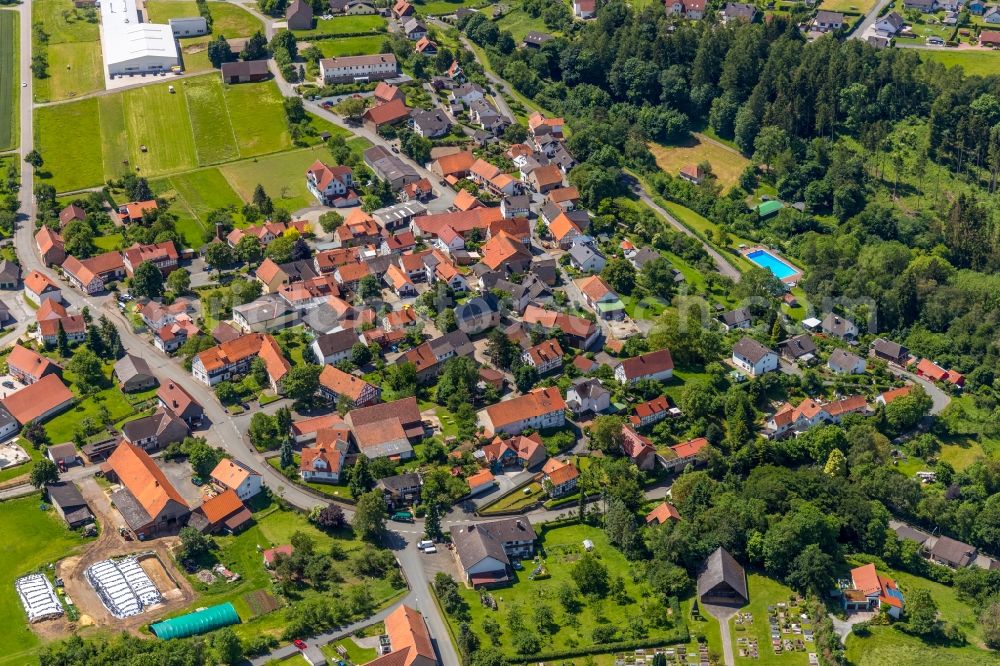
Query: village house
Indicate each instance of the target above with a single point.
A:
(845, 363)
(163, 255)
(408, 641)
(544, 357)
(233, 475)
(655, 365)
(363, 68)
(332, 348)
(71, 213)
(870, 591)
(28, 366)
(383, 115)
(336, 385)
(753, 357)
(386, 429)
(69, 503)
(738, 318)
(559, 478)
(638, 449)
(789, 419)
(232, 359)
(428, 358)
(323, 463)
(133, 374)
(224, 512)
(587, 395)
(579, 332)
(839, 327)
(478, 314)
(738, 11)
(827, 21)
(480, 482)
(39, 401)
(332, 186)
(38, 288)
(798, 349)
(50, 247)
(352, 7)
(535, 40)
(134, 211)
(156, 431)
(662, 514)
(525, 452)
(53, 317)
(601, 298)
(540, 409)
(692, 9)
(484, 550)
(679, 456)
(244, 71)
(653, 411)
(299, 15)
(174, 398)
(400, 489)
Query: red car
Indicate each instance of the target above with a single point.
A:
(300, 644)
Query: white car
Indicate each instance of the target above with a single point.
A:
(424, 544)
(430, 550)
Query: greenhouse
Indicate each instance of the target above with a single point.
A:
(198, 622)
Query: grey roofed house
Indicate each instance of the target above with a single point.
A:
(536, 39)
(7, 421)
(413, 24)
(399, 482)
(390, 168)
(908, 533)
(826, 17)
(337, 342)
(5, 313)
(156, 430)
(134, 374)
(475, 308)
(460, 92)
(380, 264)
(739, 10)
(721, 580)
(298, 271)
(562, 158)
(544, 267)
(456, 342)
(838, 326)
(517, 202)
(951, 552)
(262, 310)
(890, 351)
(738, 318)
(799, 348)
(64, 453)
(643, 257)
(69, 503)
(582, 254)
(588, 388)
(751, 350)
(431, 124)
(10, 274)
(843, 361)
(474, 542)
(895, 20)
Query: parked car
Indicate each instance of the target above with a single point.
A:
(935, 41)
(431, 550)
(300, 644)
(403, 517)
(425, 544)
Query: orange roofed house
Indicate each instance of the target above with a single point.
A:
(147, 501)
(335, 384)
(662, 513)
(134, 211)
(233, 475)
(38, 287)
(540, 409)
(681, 455)
(163, 255)
(869, 591)
(28, 366)
(332, 185)
(559, 478)
(389, 113)
(50, 246)
(233, 358)
(409, 640)
(224, 512)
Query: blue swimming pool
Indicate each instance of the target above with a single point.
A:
(765, 259)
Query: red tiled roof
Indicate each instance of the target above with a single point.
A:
(388, 112)
(662, 513)
(143, 478)
(536, 403)
(690, 447)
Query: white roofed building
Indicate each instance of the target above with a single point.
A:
(131, 46)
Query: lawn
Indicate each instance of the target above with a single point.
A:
(355, 653)
(707, 229)
(201, 123)
(764, 592)
(340, 491)
(516, 499)
(979, 63)
(9, 87)
(442, 7)
(34, 539)
(344, 25)
(241, 555)
(73, 50)
(520, 23)
(727, 164)
(282, 175)
(848, 6)
(194, 195)
(350, 46)
(563, 547)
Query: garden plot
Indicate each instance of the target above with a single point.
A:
(38, 598)
(123, 586)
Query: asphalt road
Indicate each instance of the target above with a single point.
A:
(869, 20)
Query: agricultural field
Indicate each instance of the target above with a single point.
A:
(563, 548)
(344, 25)
(149, 129)
(9, 86)
(349, 46)
(727, 164)
(193, 196)
(979, 62)
(73, 48)
(228, 19)
(35, 539)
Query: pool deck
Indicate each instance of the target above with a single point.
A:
(790, 280)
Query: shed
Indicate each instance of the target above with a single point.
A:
(198, 622)
(768, 208)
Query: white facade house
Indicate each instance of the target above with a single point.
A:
(358, 68)
(754, 358)
(188, 26)
(133, 47)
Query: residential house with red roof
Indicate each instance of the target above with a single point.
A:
(579, 332)
(639, 449)
(233, 475)
(224, 512)
(172, 397)
(519, 451)
(40, 400)
(538, 409)
(653, 411)
(679, 456)
(655, 365)
(82, 277)
(332, 186)
(71, 213)
(336, 385)
(506, 252)
(134, 211)
(324, 462)
(39, 287)
(383, 115)
(789, 419)
(539, 125)
(559, 478)
(28, 366)
(50, 246)
(51, 317)
(163, 255)
(871, 591)
(409, 641)
(663, 513)
(545, 357)
(231, 359)
(386, 92)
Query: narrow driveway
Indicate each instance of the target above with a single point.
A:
(721, 263)
(939, 398)
(723, 614)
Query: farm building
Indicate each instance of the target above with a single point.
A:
(245, 71)
(131, 46)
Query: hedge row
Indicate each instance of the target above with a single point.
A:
(680, 635)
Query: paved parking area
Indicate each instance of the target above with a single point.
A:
(178, 472)
(442, 560)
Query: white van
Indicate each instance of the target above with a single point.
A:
(425, 544)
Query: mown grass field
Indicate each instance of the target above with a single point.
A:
(349, 46)
(727, 165)
(849, 6)
(9, 86)
(980, 63)
(34, 539)
(193, 196)
(520, 23)
(442, 7)
(202, 123)
(344, 25)
(73, 50)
